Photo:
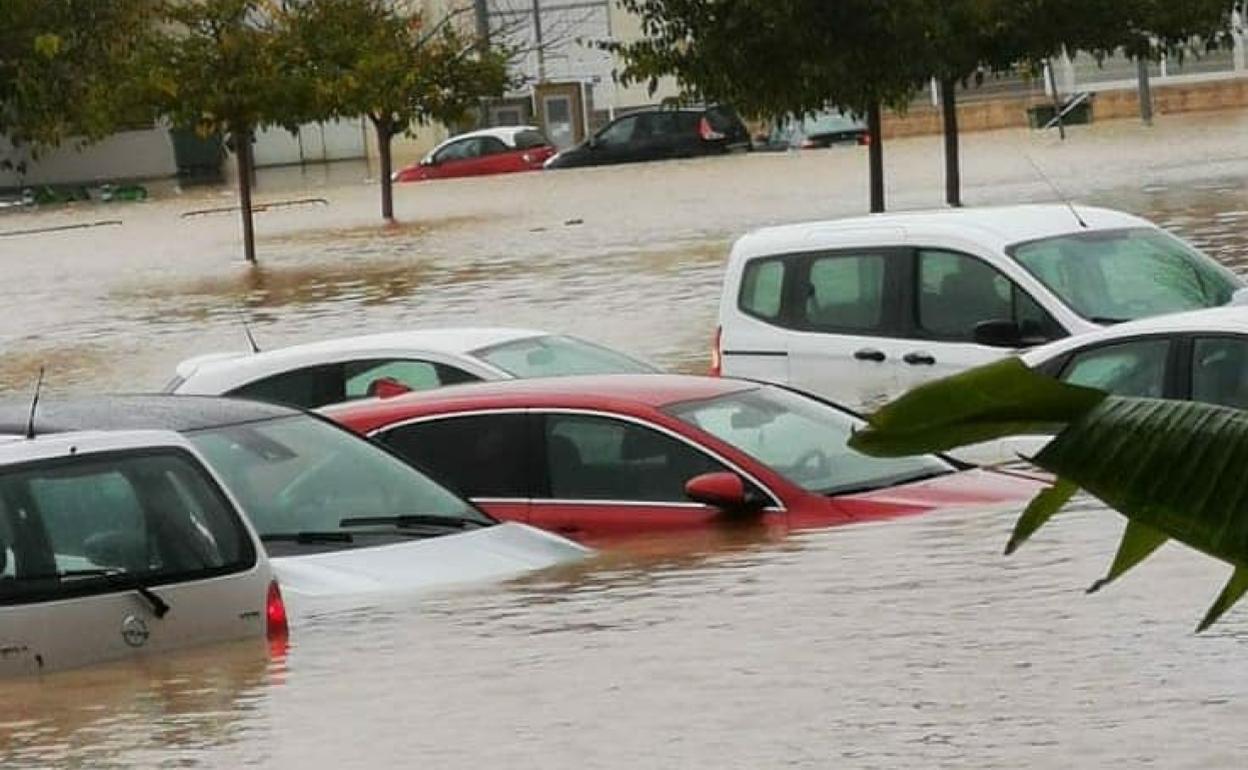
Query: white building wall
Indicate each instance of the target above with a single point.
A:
(142, 154)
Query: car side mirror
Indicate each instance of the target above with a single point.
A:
(427, 162)
(999, 333)
(1240, 297)
(722, 490)
(594, 143)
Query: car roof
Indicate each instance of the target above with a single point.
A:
(995, 226)
(1228, 319)
(450, 341)
(15, 448)
(135, 412)
(609, 392)
(505, 133)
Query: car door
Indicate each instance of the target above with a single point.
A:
(844, 312)
(84, 534)
(487, 457)
(605, 476)
(615, 143)
(954, 292)
(1218, 367)
(460, 158)
(495, 157)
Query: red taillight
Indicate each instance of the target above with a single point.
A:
(275, 613)
(707, 133)
(717, 357)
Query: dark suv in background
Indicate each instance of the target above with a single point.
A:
(658, 134)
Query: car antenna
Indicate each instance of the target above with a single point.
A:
(251, 340)
(1056, 191)
(34, 404)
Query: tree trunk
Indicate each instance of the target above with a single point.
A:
(384, 136)
(875, 157)
(242, 153)
(1145, 91)
(953, 172)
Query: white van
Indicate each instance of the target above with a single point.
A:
(121, 544)
(860, 310)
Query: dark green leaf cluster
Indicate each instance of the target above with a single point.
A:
(71, 68)
(772, 58)
(1173, 468)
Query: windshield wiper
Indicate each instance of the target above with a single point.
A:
(159, 606)
(307, 538)
(412, 520)
(855, 489)
(1100, 319)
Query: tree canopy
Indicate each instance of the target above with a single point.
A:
(71, 68)
(380, 59)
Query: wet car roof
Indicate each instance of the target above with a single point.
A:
(602, 391)
(135, 412)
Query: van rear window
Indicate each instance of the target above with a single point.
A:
(762, 288)
(101, 523)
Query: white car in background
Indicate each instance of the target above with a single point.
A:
(860, 310)
(343, 520)
(316, 374)
(1200, 355)
(122, 544)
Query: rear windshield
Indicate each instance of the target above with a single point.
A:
(558, 356)
(1109, 276)
(527, 140)
(101, 523)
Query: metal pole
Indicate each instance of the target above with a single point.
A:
(537, 41)
(1146, 96)
(482, 9)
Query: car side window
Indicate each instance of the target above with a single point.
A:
(762, 288)
(599, 458)
(307, 388)
(619, 133)
(483, 455)
(957, 291)
(845, 292)
(1220, 371)
(461, 150)
(365, 379)
(528, 140)
(1132, 368)
(74, 528)
(490, 145)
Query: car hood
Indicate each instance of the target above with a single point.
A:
(491, 553)
(972, 488)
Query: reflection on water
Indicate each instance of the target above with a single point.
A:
(910, 643)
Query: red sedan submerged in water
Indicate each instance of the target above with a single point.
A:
(500, 150)
(604, 457)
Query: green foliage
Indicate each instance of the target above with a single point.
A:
(1001, 399)
(221, 66)
(376, 58)
(1173, 468)
(71, 68)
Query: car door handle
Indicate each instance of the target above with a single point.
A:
(919, 358)
(869, 354)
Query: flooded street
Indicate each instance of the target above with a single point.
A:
(908, 643)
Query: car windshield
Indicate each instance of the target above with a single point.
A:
(300, 474)
(558, 356)
(1109, 276)
(803, 439)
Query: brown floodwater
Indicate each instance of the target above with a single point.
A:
(909, 643)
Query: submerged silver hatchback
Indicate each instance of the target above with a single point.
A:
(122, 544)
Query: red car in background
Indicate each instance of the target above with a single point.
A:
(600, 458)
(500, 150)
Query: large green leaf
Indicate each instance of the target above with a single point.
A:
(1004, 398)
(1175, 469)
